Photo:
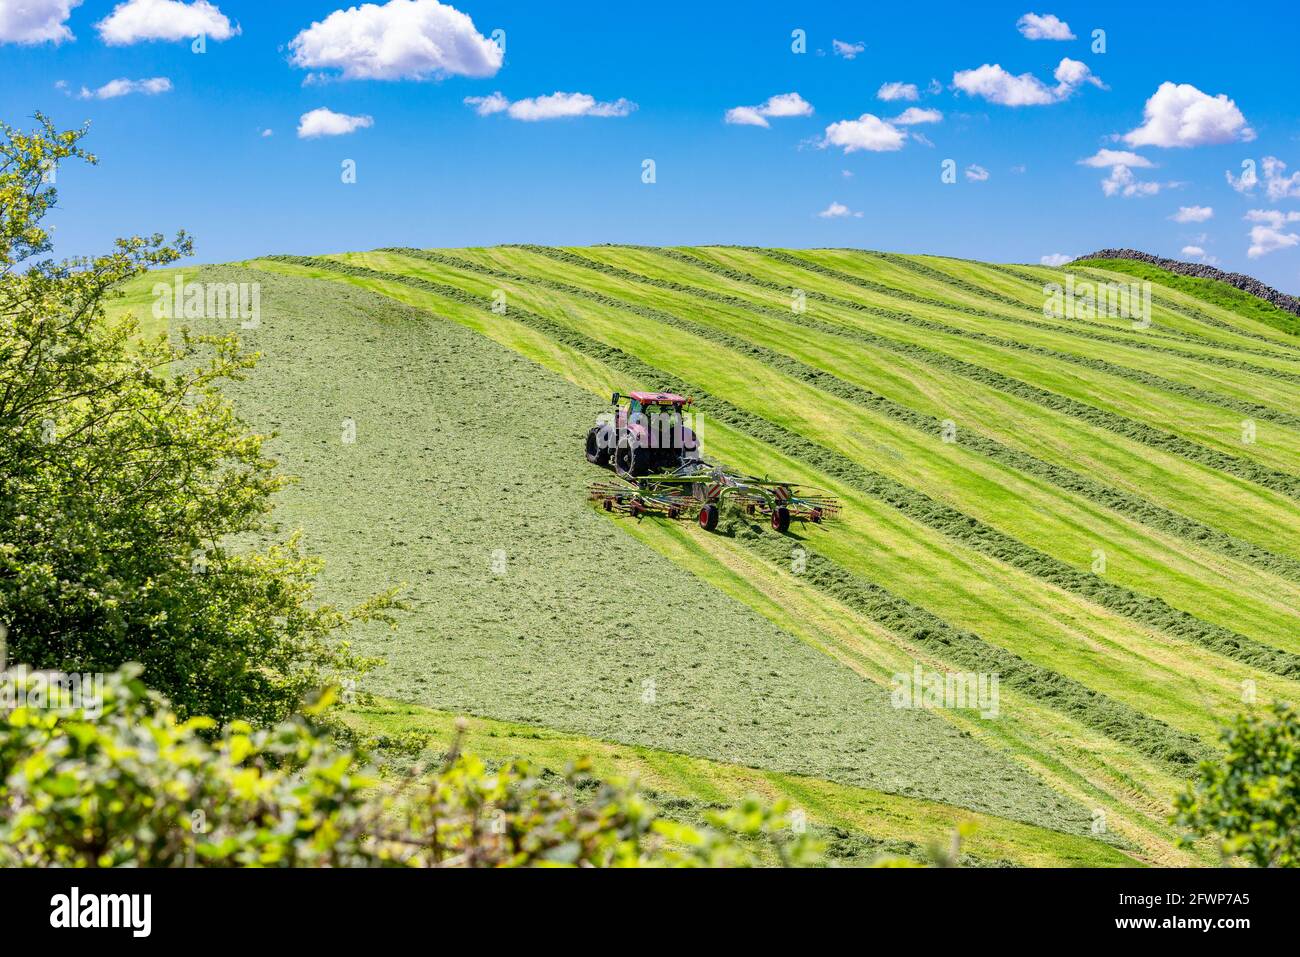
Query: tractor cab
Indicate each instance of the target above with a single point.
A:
(649, 404)
(650, 433)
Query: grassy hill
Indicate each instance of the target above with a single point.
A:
(1102, 531)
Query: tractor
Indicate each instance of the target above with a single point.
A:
(648, 434)
(656, 455)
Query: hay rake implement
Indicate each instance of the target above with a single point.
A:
(699, 489)
(651, 444)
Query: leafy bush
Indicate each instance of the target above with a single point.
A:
(130, 783)
(1250, 798)
(124, 473)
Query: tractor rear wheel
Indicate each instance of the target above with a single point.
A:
(709, 517)
(595, 454)
(781, 519)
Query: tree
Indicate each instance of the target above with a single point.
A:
(126, 782)
(1250, 798)
(124, 476)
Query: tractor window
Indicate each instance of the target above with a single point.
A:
(633, 405)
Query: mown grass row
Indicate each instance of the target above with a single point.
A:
(1150, 737)
(1118, 721)
(681, 782)
(1147, 610)
(1209, 397)
(1076, 328)
(1155, 331)
(946, 279)
(1077, 761)
(1131, 506)
(1279, 350)
(1110, 421)
(1262, 475)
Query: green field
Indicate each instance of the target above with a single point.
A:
(986, 456)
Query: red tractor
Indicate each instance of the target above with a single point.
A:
(650, 434)
(656, 455)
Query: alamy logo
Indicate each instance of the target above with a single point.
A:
(133, 911)
(939, 689)
(209, 300)
(1095, 300)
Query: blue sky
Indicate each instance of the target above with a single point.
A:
(432, 171)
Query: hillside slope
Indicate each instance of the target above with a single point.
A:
(1076, 505)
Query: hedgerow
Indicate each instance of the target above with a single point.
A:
(128, 783)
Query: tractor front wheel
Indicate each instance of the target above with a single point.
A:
(781, 519)
(709, 517)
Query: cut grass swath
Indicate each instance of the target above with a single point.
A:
(1118, 501)
(1116, 720)
(1151, 611)
(1124, 503)
(1249, 470)
(1207, 396)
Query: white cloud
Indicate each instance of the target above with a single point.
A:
(36, 21)
(787, 104)
(1047, 27)
(1273, 217)
(847, 50)
(1268, 234)
(1107, 158)
(138, 20)
(745, 116)
(996, 85)
(400, 40)
(837, 211)
(1019, 168)
(1192, 214)
(914, 115)
(1248, 179)
(1178, 114)
(1121, 181)
(267, 132)
(553, 106)
(867, 132)
(898, 91)
(934, 87)
(487, 105)
(123, 87)
(1055, 259)
(921, 138)
(325, 122)
(1193, 251)
(1265, 239)
(1277, 183)
(976, 174)
(783, 104)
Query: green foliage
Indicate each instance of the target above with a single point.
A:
(1250, 798)
(130, 783)
(124, 473)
